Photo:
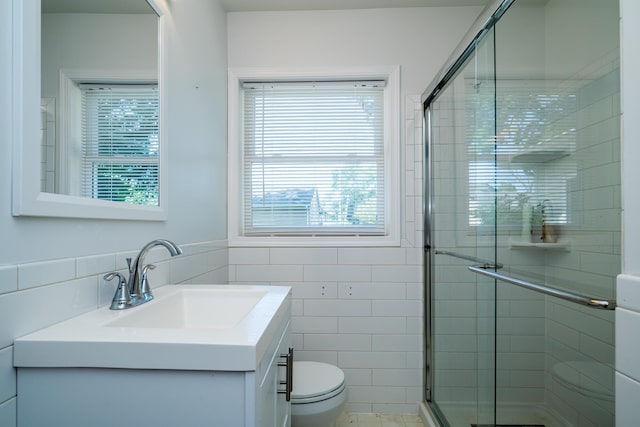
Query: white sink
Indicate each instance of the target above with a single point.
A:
(193, 308)
(186, 327)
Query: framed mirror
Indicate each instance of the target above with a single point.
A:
(87, 125)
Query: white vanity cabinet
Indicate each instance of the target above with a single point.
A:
(97, 397)
(55, 388)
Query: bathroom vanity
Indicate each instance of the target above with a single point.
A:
(197, 355)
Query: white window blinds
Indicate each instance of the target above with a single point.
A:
(313, 158)
(120, 142)
(530, 166)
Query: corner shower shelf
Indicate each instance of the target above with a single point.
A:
(564, 245)
(539, 155)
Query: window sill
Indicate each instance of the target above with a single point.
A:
(313, 242)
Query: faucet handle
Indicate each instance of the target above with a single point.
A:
(128, 259)
(145, 289)
(122, 297)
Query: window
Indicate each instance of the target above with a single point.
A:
(314, 158)
(119, 149)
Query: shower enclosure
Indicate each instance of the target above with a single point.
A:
(522, 240)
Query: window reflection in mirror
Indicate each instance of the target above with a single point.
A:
(99, 100)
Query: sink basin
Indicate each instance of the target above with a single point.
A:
(185, 327)
(193, 308)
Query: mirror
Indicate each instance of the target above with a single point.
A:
(87, 90)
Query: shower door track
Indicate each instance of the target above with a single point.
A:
(597, 303)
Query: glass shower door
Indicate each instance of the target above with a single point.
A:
(462, 127)
(558, 211)
(524, 221)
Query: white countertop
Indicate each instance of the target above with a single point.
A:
(91, 340)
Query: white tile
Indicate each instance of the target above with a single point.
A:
(396, 273)
(373, 256)
(217, 259)
(355, 376)
(93, 265)
(330, 357)
(376, 394)
(627, 398)
(43, 273)
(415, 291)
(627, 343)
(217, 276)
(303, 256)
(297, 341)
(318, 325)
(248, 255)
(313, 307)
(397, 343)
(381, 291)
(314, 290)
(397, 377)
(269, 273)
(8, 278)
(372, 325)
(415, 325)
(337, 342)
(7, 374)
(628, 292)
(297, 307)
(26, 311)
(337, 273)
(8, 413)
(407, 308)
(371, 359)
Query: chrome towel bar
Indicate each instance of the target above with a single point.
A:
(602, 304)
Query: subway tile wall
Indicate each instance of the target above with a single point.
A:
(36, 295)
(359, 308)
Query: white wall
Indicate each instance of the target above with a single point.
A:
(96, 41)
(359, 308)
(50, 268)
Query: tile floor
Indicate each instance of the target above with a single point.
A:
(378, 420)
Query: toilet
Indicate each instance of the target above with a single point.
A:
(318, 395)
(574, 377)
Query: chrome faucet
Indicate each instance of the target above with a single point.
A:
(137, 290)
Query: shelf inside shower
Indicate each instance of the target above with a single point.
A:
(539, 155)
(561, 244)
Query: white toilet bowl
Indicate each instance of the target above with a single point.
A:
(318, 395)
